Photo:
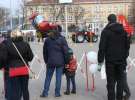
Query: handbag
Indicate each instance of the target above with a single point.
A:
(20, 70)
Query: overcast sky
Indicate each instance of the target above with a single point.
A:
(14, 4)
(6, 3)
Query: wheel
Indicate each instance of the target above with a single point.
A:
(87, 38)
(73, 38)
(80, 38)
(94, 38)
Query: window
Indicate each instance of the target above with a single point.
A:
(70, 18)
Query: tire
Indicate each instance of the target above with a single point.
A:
(87, 38)
(73, 38)
(94, 38)
(80, 38)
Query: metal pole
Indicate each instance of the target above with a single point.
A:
(66, 20)
(11, 25)
(87, 79)
(23, 12)
(5, 17)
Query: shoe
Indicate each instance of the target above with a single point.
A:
(73, 92)
(57, 96)
(67, 93)
(43, 96)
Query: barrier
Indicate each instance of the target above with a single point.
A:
(41, 64)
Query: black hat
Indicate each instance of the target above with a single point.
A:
(112, 18)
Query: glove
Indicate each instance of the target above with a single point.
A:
(99, 66)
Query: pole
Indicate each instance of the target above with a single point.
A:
(11, 26)
(87, 80)
(93, 83)
(66, 20)
(5, 18)
(23, 12)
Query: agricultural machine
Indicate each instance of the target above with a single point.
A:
(80, 37)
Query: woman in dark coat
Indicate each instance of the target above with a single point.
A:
(18, 85)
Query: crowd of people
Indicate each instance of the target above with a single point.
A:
(15, 55)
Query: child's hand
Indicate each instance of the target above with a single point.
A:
(67, 66)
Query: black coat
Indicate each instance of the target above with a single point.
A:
(114, 44)
(12, 57)
(2, 55)
(54, 51)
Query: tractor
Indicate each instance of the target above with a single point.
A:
(80, 37)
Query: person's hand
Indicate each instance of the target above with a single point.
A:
(67, 66)
(99, 66)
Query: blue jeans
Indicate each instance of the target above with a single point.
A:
(71, 79)
(49, 74)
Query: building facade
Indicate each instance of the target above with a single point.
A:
(82, 11)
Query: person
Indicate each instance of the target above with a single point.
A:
(17, 85)
(2, 64)
(114, 48)
(70, 73)
(54, 50)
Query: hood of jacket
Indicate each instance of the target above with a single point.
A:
(115, 27)
(17, 39)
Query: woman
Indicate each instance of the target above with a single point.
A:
(17, 84)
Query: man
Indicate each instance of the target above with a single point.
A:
(114, 48)
(54, 50)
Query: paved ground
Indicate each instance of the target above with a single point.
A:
(36, 86)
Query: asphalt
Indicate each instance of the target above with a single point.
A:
(100, 92)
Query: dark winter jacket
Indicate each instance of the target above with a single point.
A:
(12, 57)
(54, 51)
(2, 57)
(114, 44)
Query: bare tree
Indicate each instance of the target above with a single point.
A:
(56, 11)
(4, 13)
(78, 13)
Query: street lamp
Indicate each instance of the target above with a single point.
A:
(65, 2)
(11, 25)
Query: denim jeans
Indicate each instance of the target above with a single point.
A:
(71, 79)
(49, 74)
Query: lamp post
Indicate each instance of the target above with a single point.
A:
(11, 21)
(66, 2)
(66, 19)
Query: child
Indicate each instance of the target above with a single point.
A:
(70, 70)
